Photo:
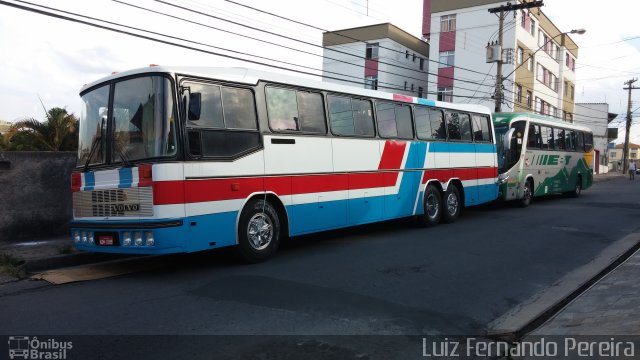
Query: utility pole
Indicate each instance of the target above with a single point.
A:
(625, 151)
(504, 10)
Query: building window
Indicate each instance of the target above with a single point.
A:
(529, 98)
(406, 54)
(421, 63)
(532, 30)
(372, 51)
(405, 85)
(612, 154)
(448, 23)
(530, 63)
(519, 93)
(414, 58)
(371, 82)
(520, 55)
(573, 92)
(420, 90)
(445, 94)
(446, 58)
(411, 87)
(523, 19)
(566, 88)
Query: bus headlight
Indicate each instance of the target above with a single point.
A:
(91, 240)
(84, 236)
(137, 238)
(76, 236)
(126, 238)
(149, 238)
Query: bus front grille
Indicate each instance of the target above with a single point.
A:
(129, 202)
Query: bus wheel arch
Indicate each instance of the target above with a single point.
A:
(262, 223)
(453, 201)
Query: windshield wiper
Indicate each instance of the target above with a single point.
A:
(123, 156)
(94, 146)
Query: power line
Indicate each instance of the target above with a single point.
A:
(336, 33)
(76, 20)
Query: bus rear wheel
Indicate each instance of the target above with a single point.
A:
(527, 193)
(432, 206)
(577, 190)
(452, 205)
(258, 231)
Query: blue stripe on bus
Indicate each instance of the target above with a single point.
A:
(89, 180)
(439, 147)
(126, 177)
(427, 102)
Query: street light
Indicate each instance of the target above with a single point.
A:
(500, 79)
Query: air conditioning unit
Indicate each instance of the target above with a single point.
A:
(494, 53)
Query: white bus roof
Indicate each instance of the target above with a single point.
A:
(253, 76)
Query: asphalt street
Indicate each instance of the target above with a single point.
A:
(393, 278)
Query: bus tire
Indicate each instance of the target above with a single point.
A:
(432, 206)
(527, 193)
(258, 231)
(577, 190)
(451, 206)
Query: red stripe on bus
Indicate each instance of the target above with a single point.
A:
(392, 155)
(443, 175)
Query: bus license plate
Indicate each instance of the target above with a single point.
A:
(107, 239)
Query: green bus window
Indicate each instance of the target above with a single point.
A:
(579, 140)
(533, 137)
(558, 135)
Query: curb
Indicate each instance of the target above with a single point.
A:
(554, 309)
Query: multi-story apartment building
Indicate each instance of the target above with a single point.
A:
(538, 58)
(382, 57)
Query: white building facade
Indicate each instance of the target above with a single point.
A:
(538, 59)
(381, 57)
(597, 117)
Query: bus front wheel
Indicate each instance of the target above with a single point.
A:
(432, 206)
(527, 193)
(258, 231)
(452, 205)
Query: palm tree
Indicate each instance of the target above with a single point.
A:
(57, 133)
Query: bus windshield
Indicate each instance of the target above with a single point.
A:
(507, 158)
(141, 120)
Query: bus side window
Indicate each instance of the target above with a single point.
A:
(588, 142)
(294, 110)
(350, 117)
(453, 125)
(570, 136)
(394, 120)
(547, 138)
(429, 123)
(533, 138)
(481, 128)
(558, 135)
(579, 141)
(465, 127)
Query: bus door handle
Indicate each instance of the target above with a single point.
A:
(281, 141)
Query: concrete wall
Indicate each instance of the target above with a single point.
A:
(35, 193)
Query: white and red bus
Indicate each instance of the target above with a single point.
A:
(189, 159)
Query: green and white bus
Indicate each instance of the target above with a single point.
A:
(539, 155)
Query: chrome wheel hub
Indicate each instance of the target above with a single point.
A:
(452, 204)
(260, 231)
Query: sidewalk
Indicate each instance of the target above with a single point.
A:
(609, 307)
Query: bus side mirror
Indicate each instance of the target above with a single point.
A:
(507, 139)
(195, 105)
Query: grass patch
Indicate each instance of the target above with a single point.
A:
(11, 265)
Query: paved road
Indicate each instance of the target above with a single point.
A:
(388, 279)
